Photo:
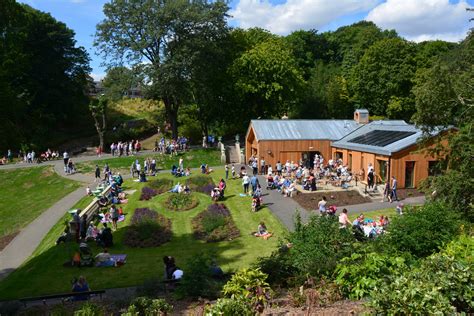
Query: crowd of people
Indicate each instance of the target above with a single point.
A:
(124, 148)
(171, 147)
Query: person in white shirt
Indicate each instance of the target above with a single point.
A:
(246, 183)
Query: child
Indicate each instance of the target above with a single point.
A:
(233, 171)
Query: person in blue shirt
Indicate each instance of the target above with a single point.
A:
(80, 286)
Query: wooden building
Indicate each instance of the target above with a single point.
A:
(389, 146)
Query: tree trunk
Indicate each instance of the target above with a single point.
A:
(172, 113)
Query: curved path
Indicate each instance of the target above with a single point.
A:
(28, 239)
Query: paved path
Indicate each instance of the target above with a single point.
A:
(285, 208)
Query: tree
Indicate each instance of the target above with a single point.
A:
(98, 108)
(385, 71)
(43, 76)
(267, 78)
(168, 35)
(118, 81)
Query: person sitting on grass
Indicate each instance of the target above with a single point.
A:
(215, 194)
(92, 232)
(142, 176)
(263, 232)
(104, 259)
(79, 286)
(222, 186)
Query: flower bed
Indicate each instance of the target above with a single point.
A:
(215, 224)
(147, 193)
(147, 229)
(161, 185)
(203, 184)
(181, 202)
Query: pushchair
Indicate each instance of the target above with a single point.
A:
(87, 259)
(256, 203)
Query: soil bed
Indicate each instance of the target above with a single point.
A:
(309, 201)
(5, 240)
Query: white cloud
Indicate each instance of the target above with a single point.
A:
(423, 19)
(295, 14)
(97, 77)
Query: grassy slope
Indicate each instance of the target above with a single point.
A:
(28, 192)
(44, 272)
(192, 159)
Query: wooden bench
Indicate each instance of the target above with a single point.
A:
(61, 295)
(90, 211)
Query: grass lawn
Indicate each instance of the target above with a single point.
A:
(192, 159)
(390, 212)
(28, 192)
(44, 272)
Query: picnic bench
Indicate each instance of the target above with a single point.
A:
(90, 210)
(44, 298)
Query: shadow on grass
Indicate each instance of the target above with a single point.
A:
(45, 273)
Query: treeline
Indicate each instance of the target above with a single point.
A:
(43, 78)
(213, 79)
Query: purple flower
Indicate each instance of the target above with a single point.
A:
(143, 215)
(147, 193)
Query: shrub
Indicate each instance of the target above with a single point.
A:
(181, 202)
(249, 285)
(147, 194)
(197, 280)
(442, 284)
(315, 293)
(228, 306)
(318, 246)
(148, 306)
(215, 224)
(422, 231)
(359, 274)
(147, 229)
(89, 309)
(161, 185)
(203, 184)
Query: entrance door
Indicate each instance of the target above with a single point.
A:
(382, 169)
(409, 174)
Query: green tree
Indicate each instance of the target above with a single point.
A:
(268, 79)
(168, 35)
(43, 76)
(385, 71)
(98, 109)
(118, 81)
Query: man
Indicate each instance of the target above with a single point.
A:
(255, 167)
(394, 189)
(65, 158)
(97, 173)
(254, 183)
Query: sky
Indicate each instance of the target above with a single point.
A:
(415, 20)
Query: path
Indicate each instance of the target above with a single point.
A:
(285, 208)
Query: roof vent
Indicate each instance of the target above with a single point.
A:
(361, 116)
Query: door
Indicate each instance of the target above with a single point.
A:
(382, 169)
(409, 174)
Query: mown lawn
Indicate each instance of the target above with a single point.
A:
(44, 272)
(192, 159)
(28, 192)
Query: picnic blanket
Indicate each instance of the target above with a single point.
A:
(109, 220)
(119, 259)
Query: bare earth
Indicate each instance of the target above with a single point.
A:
(309, 201)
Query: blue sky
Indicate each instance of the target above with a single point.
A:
(417, 20)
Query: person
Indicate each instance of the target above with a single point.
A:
(104, 259)
(226, 172)
(370, 179)
(394, 189)
(245, 183)
(142, 176)
(262, 231)
(97, 173)
(215, 194)
(105, 238)
(233, 171)
(222, 186)
(92, 232)
(216, 271)
(343, 219)
(88, 191)
(400, 209)
(79, 286)
(322, 205)
(254, 183)
(387, 192)
(65, 159)
(170, 266)
(203, 168)
(83, 226)
(278, 168)
(262, 166)
(255, 167)
(114, 215)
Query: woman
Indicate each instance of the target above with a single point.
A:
(80, 286)
(262, 231)
(322, 206)
(246, 183)
(387, 193)
(114, 215)
(344, 221)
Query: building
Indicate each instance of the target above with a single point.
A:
(391, 146)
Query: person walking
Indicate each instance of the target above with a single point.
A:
(226, 172)
(97, 173)
(394, 189)
(262, 166)
(246, 183)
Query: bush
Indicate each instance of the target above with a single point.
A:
(315, 293)
(161, 185)
(249, 285)
(89, 309)
(215, 224)
(147, 194)
(359, 274)
(422, 231)
(181, 202)
(203, 184)
(318, 246)
(197, 280)
(148, 306)
(442, 284)
(228, 306)
(147, 229)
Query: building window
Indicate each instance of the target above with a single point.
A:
(338, 155)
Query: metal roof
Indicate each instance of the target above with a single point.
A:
(302, 129)
(388, 150)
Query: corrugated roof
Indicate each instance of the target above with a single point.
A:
(387, 150)
(302, 129)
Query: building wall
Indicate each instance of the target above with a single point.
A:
(356, 161)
